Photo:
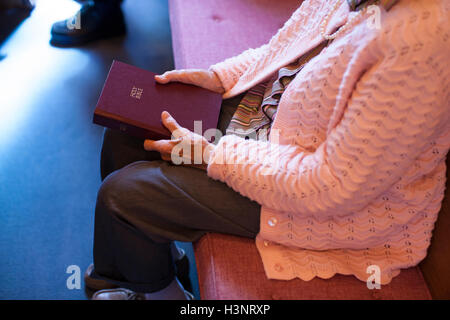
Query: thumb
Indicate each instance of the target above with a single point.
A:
(163, 79)
(169, 76)
(162, 146)
(152, 145)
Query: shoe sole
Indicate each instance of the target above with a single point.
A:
(96, 284)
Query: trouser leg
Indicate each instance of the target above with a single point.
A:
(144, 206)
(123, 255)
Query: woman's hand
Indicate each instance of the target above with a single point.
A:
(186, 147)
(198, 77)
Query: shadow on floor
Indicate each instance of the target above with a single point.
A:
(10, 19)
(49, 148)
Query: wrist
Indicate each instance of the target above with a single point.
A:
(207, 154)
(214, 78)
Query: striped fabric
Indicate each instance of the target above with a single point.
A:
(359, 4)
(255, 113)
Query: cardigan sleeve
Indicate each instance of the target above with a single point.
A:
(230, 70)
(387, 124)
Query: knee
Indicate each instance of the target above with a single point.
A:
(117, 189)
(108, 191)
(128, 196)
(126, 190)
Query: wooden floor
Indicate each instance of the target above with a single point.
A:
(49, 148)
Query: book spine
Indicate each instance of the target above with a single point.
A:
(130, 129)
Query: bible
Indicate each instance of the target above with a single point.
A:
(132, 101)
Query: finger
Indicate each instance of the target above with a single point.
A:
(188, 76)
(170, 123)
(159, 145)
(162, 146)
(166, 157)
(163, 78)
(169, 76)
(173, 152)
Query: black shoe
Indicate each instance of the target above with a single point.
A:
(182, 272)
(94, 21)
(21, 4)
(94, 283)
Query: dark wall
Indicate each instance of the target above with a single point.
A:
(436, 266)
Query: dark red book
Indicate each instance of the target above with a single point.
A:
(132, 101)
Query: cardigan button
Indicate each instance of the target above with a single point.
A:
(278, 267)
(272, 222)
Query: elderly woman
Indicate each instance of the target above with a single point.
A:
(334, 157)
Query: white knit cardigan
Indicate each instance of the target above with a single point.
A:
(362, 133)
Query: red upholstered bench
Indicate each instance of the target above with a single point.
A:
(230, 268)
(205, 32)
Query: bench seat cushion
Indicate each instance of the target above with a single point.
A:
(229, 267)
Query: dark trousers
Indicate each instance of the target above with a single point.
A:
(145, 203)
